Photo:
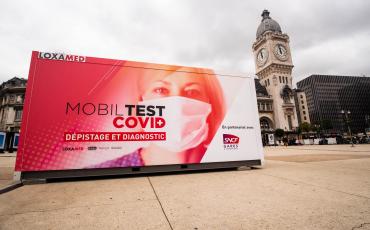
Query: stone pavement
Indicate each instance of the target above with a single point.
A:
(291, 191)
(7, 162)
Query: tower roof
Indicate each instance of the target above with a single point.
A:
(267, 24)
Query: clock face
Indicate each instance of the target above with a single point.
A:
(262, 56)
(281, 52)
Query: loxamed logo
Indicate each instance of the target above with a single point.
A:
(230, 139)
(61, 57)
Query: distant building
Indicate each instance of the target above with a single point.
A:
(301, 106)
(327, 95)
(11, 104)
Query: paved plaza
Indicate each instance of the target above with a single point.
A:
(302, 187)
(7, 162)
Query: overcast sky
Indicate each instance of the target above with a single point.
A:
(326, 37)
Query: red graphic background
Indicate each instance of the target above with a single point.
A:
(52, 83)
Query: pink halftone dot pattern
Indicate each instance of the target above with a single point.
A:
(76, 83)
(46, 146)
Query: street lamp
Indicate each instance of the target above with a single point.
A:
(367, 120)
(346, 115)
(317, 127)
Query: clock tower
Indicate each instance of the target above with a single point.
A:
(273, 63)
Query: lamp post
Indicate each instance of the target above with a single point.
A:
(346, 115)
(317, 127)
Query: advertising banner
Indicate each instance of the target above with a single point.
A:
(85, 113)
(2, 140)
(271, 139)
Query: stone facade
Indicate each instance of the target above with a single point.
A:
(265, 107)
(301, 106)
(273, 64)
(12, 94)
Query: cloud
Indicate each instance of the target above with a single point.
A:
(335, 56)
(216, 34)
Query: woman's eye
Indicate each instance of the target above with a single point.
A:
(192, 93)
(160, 91)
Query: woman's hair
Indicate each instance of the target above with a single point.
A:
(216, 99)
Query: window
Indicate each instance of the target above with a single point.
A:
(2, 115)
(19, 99)
(303, 107)
(280, 79)
(290, 122)
(302, 102)
(304, 112)
(264, 124)
(12, 99)
(305, 118)
(260, 106)
(301, 96)
(18, 115)
(268, 81)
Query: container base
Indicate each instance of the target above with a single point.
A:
(42, 176)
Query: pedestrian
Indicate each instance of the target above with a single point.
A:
(285, 141)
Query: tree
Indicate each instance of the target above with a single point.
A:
(279, 132)
(305, 127)
(299, 130)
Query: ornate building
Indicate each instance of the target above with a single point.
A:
(11, 104)
(273, 63)
(265, 109)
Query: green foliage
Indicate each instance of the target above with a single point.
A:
(305, 127)
(299, 130)
(279, 132)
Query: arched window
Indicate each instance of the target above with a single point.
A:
(265, 124)
(286, 94)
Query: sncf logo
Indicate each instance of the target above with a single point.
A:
(62, 57)
(230, 139)
(231, 142)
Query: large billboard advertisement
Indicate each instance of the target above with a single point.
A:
(84, 113)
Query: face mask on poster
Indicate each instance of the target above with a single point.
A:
(186, 122)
